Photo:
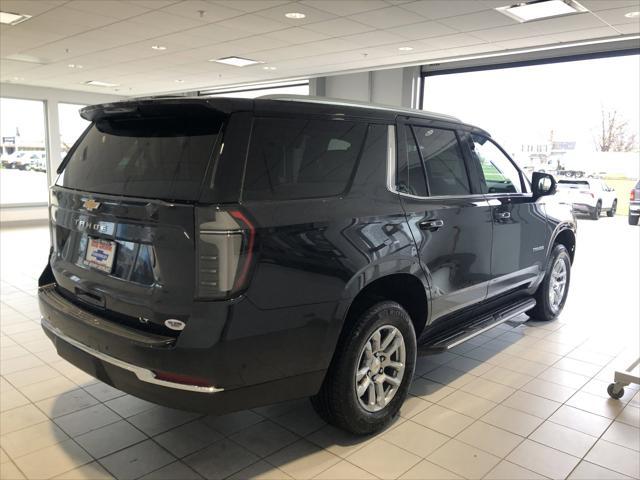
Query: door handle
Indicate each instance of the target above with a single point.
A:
(432, 225)
(503, 215)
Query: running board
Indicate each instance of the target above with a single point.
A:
(450, 338)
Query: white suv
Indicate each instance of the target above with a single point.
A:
(590, 196)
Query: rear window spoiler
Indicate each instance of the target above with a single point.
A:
(164, 107)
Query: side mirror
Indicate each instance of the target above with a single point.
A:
(542, 184)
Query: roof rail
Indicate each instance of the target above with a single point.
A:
(356, 104)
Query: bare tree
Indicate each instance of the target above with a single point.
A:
(614, 134)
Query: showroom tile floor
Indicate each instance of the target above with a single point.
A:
(519, 402)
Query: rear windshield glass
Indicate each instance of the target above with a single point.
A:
(152, 157)
(301, 158)
(573, 183)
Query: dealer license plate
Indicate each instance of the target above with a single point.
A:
(100, 254)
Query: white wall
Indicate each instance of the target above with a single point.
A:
(51, 97)
(395, 86)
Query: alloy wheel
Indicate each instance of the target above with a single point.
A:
(380, 368)
(557, 284)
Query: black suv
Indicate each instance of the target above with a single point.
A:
(220, 254)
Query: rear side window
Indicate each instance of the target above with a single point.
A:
(292, 158)
(435, 165)
(410, 176)
(153, 157)
(446, 171)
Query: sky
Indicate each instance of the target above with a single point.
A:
(522, 105)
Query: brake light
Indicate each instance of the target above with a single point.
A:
(243, 276)
(587, 192)
(225, 246)
(632, 195)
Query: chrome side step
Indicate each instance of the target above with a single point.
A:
(451, 338)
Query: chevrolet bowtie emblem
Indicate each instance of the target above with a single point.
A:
(90, 204)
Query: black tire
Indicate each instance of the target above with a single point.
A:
(543, 310)
(597, 210)
(633, 219)
(337, 402)
(612, 211)
(615, 395)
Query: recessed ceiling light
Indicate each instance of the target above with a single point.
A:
(179, 81)
(405, 49)
(632, 14)
(269, 68)
(235, 61)
(537, 9)
(158, 47)
(74, 65)
(295, 15)
(98, 83)
(9, 18)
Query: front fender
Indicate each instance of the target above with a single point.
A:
(560, 218)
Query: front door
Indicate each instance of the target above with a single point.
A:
(451, 222)
(519, 223)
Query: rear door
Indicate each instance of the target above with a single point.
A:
(519, 223)
(123, 214)
(449, 218)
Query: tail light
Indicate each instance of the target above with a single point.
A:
(225, 246)
(587, 192)
(632, 195)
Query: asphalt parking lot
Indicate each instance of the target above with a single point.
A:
(525, 402)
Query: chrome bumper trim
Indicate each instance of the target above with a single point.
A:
(143, 374)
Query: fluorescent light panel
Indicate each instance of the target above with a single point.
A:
(9, 18)
(536, 10)
(98, 83)
(236, 61)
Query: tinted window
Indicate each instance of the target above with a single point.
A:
(372, 167)
(574, 183)
(154, 157)
(410, 176)
(500, 175)
(299, 158)
(446, 172)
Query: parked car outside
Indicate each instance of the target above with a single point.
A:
(16, 161)
(590, 197)
(634, 204)
(219, 254)
(25, 160)
(37, 162)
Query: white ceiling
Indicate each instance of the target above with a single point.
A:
(112, 39)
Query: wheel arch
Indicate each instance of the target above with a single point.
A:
(404, 288)
(567, 237)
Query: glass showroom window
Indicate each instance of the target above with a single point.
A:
(23, 177)
(567, 118)
(71, 127)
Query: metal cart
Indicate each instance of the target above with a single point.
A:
(623, 378)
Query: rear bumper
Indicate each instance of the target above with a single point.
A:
(143, 374)
(131, 361)
(634, 208)
(583, 208)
